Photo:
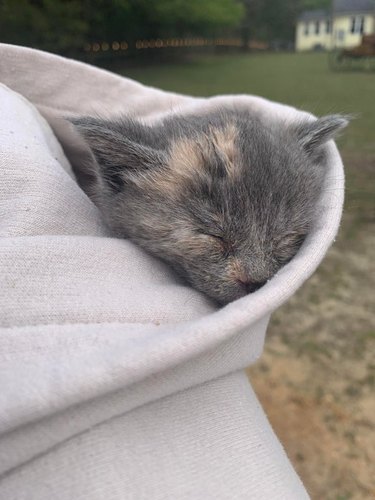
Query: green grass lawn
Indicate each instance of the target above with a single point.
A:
(301, 80)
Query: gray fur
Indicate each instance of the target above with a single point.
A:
(223, 198)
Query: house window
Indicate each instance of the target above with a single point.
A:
(317, 27)
(306, 29)
(328, 26)
(357, 24)
(362, 25)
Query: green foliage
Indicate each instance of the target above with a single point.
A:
(275, 19)
(315, 4)
(63, 25)
(50, 24)
(195, 14)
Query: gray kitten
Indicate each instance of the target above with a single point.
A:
(223, 198)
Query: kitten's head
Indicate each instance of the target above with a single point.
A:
(221, 197)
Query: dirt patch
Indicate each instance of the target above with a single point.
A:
(330, 439)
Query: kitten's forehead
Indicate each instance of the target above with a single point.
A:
(191, 155)
(232, 167)
(196, 159)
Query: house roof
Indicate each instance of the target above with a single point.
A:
(339, 7)
(342, 6)
(313, 15)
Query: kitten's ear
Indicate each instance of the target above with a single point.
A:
(312, 135)
(117, 157)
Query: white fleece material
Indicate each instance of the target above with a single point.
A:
(117, 380)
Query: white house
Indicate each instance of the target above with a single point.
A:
(340, 27)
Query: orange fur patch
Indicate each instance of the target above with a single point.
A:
(224, 142)
(188, 157)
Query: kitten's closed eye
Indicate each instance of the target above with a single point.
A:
(225, 245)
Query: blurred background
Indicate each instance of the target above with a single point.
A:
(316, 379)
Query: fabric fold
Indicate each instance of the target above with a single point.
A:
(92, 327)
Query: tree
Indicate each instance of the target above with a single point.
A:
(180, 17)
(49, 24)
(270, 20)
(64, 25)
